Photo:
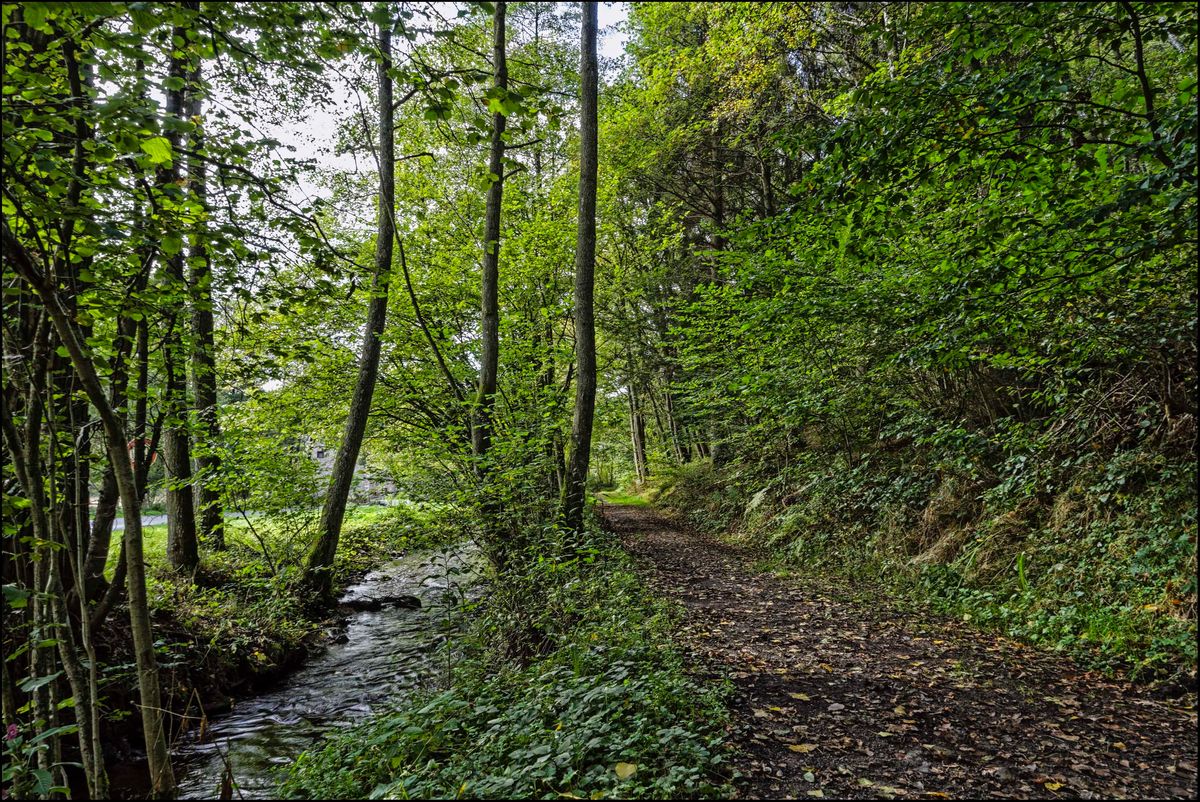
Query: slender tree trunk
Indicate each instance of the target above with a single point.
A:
(162, 778)
(637, 432)
(133, 348)
(585, 268)
(681, 452)
(554, 456)
(481, 435)
(489, 323)
(204, 369)
(182, 550)
(318, 570)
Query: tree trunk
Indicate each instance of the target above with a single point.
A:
(182, 551)
(204, 371)
(682, 454)
(637, 432)
(585, 266)
(489, 323)
(318, 570)
(481, 432)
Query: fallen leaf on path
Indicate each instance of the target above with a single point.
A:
(802, 747)
(803, 697)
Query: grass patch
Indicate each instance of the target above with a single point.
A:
(624, 498)
(637, 495)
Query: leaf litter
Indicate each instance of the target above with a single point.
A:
(891, 705)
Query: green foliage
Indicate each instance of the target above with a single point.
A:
(913, 288)
(929, 302)
(22, 775)
(1109, 579)
(602, 690)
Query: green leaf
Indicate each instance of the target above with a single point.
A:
(35, 16)
(65, 729)
(44, 782)
(15, 597)
(37, 682)
(158, 149)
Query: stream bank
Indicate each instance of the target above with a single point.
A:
(396, 622)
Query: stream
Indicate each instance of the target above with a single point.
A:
(387, 653)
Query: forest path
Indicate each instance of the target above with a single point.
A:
(839, 697)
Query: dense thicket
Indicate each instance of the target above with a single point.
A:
(922, 280)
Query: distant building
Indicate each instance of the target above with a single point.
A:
(368, 485)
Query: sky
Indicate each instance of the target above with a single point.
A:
(612, 42)
(315, 139)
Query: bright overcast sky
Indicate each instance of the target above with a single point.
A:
(315, 139)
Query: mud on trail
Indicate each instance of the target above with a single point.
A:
(844, 698)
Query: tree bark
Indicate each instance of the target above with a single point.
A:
(481, 432)
(318, 570)
(489, 322)
(182, 550)
(585, 267)
(204, 369)
(637, 432)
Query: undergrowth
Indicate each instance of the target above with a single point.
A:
(1087, 553)
(567, 686)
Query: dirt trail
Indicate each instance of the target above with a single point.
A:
(844, 698)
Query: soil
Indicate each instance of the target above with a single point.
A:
(838, 694)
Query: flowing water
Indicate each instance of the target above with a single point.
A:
(387, 654)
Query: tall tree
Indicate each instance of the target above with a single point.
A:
(203, 356)
(585, 269)
(318, 570)
(490, 316)
(182, 549)
(162, 778)
(489, 323)
(637, 432)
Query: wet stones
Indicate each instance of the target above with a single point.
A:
(375, 603)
